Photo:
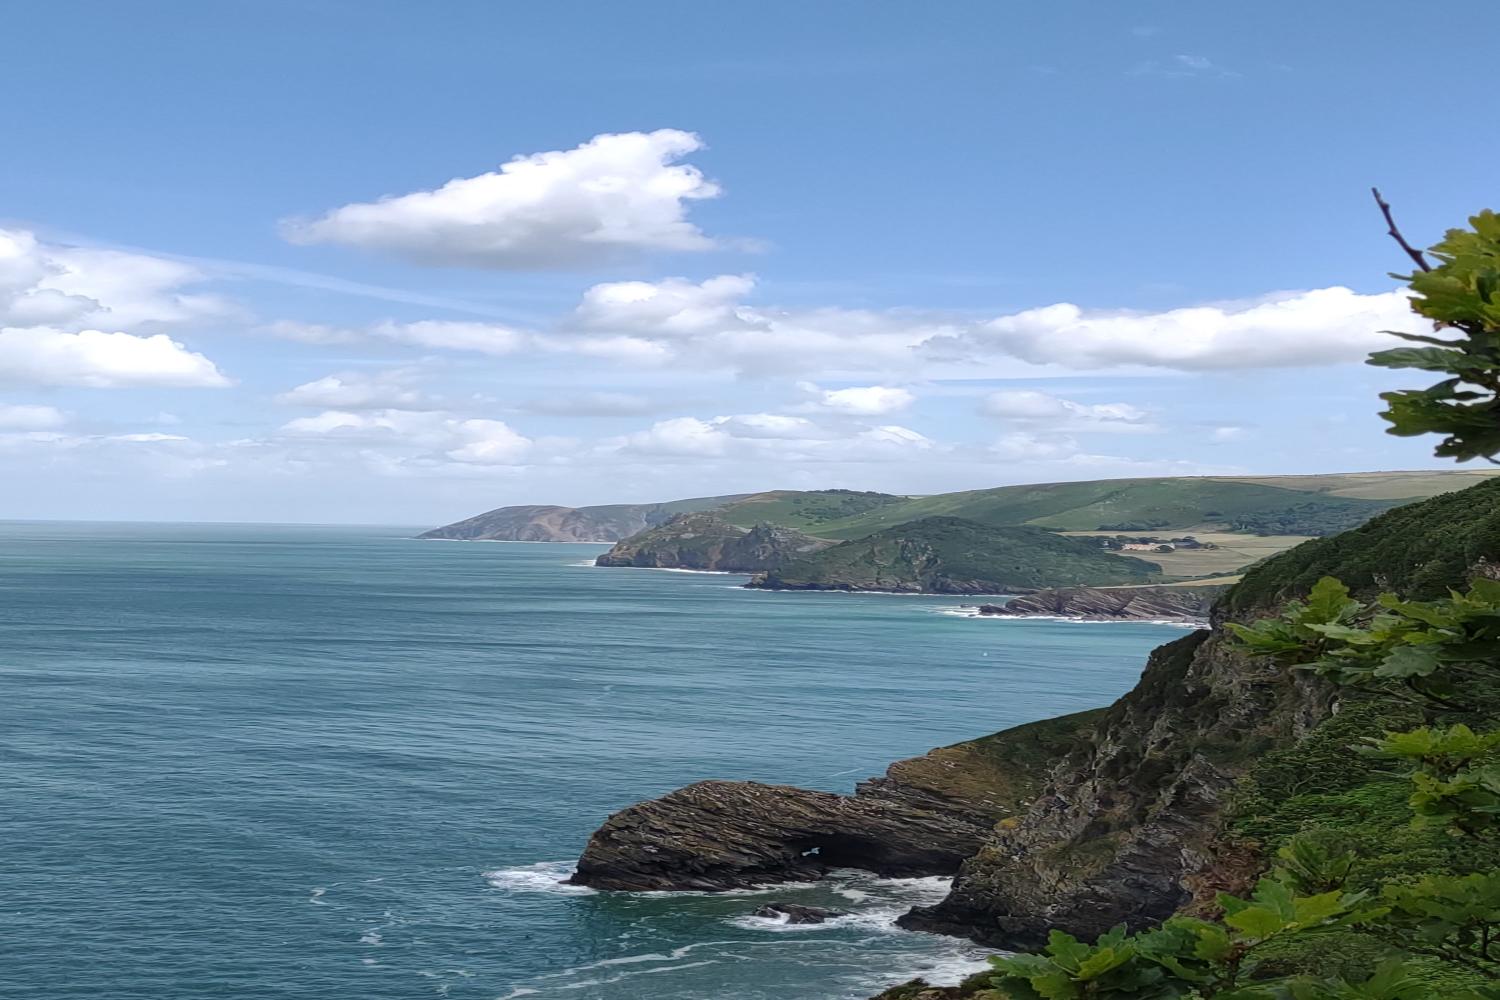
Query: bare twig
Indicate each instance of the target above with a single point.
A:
(1411, 251)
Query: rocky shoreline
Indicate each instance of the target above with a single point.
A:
(1189, 605)
(925, 816)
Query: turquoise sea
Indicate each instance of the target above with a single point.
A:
(280, 762)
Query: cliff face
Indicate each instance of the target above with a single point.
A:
(705, 541)
(1129, 828)
(1123, 820)
(1189, 604)
(924, 817)
(949, 555)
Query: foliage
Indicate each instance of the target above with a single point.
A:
(1452, 532)
(1313, 518)
(1461, 295)
(951, 555)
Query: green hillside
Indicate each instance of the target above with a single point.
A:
(804, 510)
(948, 555)
(1130, 505)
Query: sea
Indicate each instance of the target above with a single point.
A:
(341, 763)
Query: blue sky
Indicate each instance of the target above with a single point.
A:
(895, 246)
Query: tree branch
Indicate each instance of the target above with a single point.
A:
(1395, 234)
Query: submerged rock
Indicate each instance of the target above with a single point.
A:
(796, 913)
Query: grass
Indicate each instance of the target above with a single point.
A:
(804, 510)
(1235, 551)
(1133, 504)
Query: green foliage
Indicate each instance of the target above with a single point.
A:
(1460, 295)
(951, 555)
(1420, 551)
(1456, 919)
(1185, 956)
(1431, 649)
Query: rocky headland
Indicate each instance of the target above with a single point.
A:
(950, 555)
(1123, 815)
(705, 541)
(1170, 604)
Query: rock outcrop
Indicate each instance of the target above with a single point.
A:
(924, 817)
(705, 541)
(1180, 604)
(949, 555)
(796, 913)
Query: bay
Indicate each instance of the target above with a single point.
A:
(291, 761)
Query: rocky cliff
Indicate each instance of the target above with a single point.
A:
(950, 555)
(1184, 604)
(924, 817)
(1122, 821)
(705, 541)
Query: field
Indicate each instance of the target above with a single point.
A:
(1235, 551)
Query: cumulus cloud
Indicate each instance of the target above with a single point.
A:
(861, 401)
(1039, 409)
(1320, 327)
(75, 288)
(100, 360)
(610, 198)
(30, 418)
(419, 434)
(772, 437)
(355, 391)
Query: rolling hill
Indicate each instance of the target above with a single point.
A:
(948, 555)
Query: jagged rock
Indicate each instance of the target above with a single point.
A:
(924, 817)
(1186, 604)
(796, 913)
(705, 541)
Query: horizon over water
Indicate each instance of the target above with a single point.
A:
(333, 761)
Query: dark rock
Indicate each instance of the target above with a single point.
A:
(1185, 604)
(795, 913)
(924, 817)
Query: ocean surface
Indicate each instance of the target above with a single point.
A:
(279, 762)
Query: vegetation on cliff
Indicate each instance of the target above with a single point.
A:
(705, 541)
(1384, 818)
(949, 555)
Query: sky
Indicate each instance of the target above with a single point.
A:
(360, 261)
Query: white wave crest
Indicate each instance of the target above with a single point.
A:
(544, 876)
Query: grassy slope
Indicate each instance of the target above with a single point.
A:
(804, 510)
(1157, 504)
(950, 555)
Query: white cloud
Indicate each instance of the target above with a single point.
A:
(75, 288)
(418, 435)
(355, 391)
(679, 436)
(1053, 413)
(149, 437)
(100, 360)
(671, 308)
(448, 335)
(862, 401)
(31, 418)
(482, 338)
(1320, 327)
(612, 197)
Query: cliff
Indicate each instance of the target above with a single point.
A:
(1178, 604)
(924, 817)
(1128, 819)
(949, 555)
(705, 541)
(551, 523)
